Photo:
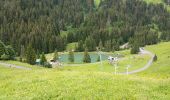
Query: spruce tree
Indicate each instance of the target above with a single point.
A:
(100, 45)
(135, 48)
(56, 56)
(71, 56)
(86, 58)
(38, 55)
(115, 45)
(155, 58)
(80, 47)
(2, 48)
(43, 59)
(30, 55)
(90, 44)
(22, 54)
(108, 46)
(10, 52)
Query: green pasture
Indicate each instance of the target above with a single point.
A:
(160, 68)
(90, 81)
(69, 85)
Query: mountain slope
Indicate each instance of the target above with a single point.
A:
(43, 83)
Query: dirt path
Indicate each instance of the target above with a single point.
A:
(142, 51)
(14, 66)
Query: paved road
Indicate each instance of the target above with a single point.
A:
(14, 66)
(142, 51)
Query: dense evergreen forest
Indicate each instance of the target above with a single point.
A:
(41, 24)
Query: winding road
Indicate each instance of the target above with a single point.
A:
(142, 51)
(13, 66)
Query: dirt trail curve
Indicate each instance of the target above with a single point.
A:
(142, 51)
(14, 66)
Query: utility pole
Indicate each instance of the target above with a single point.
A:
(100, 56)
(116, 69)
(127, 69)
(115, 65)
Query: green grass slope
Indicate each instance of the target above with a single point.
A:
(69, 85)
(161, 68)
(41, 83)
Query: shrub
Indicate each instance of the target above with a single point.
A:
(43, 59)
(71, 56)
(155, 58)
(86, 58)
(5, 57)
(47, 65)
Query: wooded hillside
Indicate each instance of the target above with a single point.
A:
(41, 23)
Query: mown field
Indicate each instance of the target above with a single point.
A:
(71, 84)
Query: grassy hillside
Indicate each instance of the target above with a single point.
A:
(41, 83)
(161, 68)
(52, 84)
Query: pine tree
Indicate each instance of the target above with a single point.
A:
(71, 56)
(108, 46)
(135, 48)
(38, 55)
(90, 44)
(86, 58)
(100, 45)
(30, 55)
(10, 52)
(43, 59)
(155, 58)
(98, 58)
(56, 56)
(80, 47)
(2, 48)
(115, 45)
(22, 54)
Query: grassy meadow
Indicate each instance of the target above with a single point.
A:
(90, 81)
(161, 68)
(53, 84)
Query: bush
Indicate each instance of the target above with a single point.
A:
(155, 58)
(86, 58)
(10, 51)
(5, 57)
(135, 48)
(47, 65)
(43, 59)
